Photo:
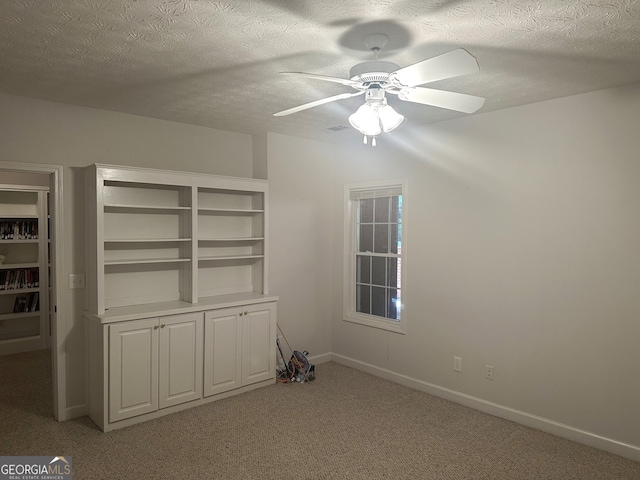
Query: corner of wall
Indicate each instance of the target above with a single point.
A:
(259, 156)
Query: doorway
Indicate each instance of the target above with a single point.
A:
(14, 173)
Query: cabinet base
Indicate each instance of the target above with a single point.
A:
(177, 408)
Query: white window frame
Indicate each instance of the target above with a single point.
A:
(349, 262)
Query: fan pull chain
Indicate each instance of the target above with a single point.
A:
(373, 140)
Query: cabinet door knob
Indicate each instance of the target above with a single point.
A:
(155, 327)
(163, 325)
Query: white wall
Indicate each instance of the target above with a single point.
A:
(301, 229)
(42, 132)
(522, 253)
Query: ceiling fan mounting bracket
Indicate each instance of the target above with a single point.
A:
(376, 41)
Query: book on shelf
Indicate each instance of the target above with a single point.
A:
(19, 230)
(34, 301)
(19, 278)
(27, 303)
(21, 304)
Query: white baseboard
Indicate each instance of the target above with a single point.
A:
(322, 358)
(540, 423)
(76, 411)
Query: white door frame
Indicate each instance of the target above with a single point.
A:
(58, 308)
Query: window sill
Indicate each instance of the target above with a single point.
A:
(371, 321)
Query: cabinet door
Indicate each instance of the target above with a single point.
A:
(222, 351)
(258, 343)
(180, 359)
(133, 368)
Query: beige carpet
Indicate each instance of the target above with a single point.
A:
(345, 425)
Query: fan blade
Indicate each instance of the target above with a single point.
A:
(448, 65)
(316, 103)
(326, 78)
(460, 102)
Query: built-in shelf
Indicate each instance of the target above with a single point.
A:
(13, 339)
(184, 236)
(233, 239)
(18, 315)
(228, 257)
(146, 240)
(175, 252)
(143, 208)
(18, 266)
(29, 240)
(229, 211)
(14, 291)
(146, 260)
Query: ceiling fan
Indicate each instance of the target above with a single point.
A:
(376, 78)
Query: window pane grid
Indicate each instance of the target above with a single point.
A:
(378, 301)
(378, 256)
(379, 237)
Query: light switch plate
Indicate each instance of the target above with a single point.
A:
(76, 280)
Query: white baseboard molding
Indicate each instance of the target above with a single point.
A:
(540, 423)
(76, 411)
(322, 358)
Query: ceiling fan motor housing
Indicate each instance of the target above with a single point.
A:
(372, 72)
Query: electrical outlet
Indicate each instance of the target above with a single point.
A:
(457, 364)
(76, 280)
(488, 372)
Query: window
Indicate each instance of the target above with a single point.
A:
(375, 217)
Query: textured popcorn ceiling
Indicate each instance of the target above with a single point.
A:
(216, 63)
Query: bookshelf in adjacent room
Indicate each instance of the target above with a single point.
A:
(24, 286)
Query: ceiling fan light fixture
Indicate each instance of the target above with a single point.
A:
(374, 117)
(389, 118)
(366, 120)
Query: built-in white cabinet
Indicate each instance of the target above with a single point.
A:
(239, 347)
(180, 354)
(24, 286)
(133, 368)
(146, 362)
(160, 236)
(179, 311)
(154, 363)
